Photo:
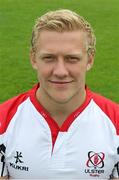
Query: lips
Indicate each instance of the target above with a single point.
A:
(60, 82)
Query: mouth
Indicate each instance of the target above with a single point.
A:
(60, 82)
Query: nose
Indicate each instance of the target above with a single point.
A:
(60, 69)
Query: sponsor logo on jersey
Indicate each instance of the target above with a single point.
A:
(18, 164)
(18, 157)
(95, 164)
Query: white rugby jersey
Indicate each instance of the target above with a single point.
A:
(32, 146)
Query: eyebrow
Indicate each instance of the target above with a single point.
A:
(69, 54)
(46, 54)
(74, 55)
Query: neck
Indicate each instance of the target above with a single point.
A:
(60, 111)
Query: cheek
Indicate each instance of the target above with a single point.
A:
(43, 71)
(78, 70)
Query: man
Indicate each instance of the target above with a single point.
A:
(60, 129)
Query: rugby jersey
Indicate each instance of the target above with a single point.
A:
(33, 146)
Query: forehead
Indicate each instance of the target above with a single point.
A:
(52, 40)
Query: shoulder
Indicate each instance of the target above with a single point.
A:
(9, 108)
(105, 103)
(110, 108)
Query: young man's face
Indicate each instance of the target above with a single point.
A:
(61, 62)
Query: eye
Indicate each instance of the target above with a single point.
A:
(48, 58)
(73, 59)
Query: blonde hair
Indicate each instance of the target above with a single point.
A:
(61, 21)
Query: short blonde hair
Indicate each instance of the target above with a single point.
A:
(61, 21)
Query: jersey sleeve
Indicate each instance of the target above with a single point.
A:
(111, 109)
(6, 113)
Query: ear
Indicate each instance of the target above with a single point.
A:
(33, 59)
(90, 61)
